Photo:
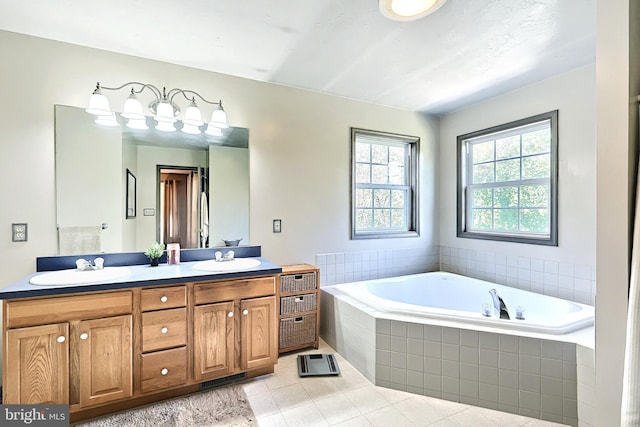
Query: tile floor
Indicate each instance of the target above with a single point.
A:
(285, 399)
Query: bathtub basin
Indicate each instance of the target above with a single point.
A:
(75, 277)
(452, 297)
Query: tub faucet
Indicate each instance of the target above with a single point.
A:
(499, 305)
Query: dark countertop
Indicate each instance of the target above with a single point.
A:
(141, 275)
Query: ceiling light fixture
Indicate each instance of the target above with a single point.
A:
(409, 10)
(163, 107)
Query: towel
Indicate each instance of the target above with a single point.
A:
(204, 219)
(76, 240)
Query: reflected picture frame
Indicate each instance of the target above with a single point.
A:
(130, 209)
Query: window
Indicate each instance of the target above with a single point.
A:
(508, 182)
(384, 177)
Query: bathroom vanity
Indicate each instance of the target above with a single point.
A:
(153, 335)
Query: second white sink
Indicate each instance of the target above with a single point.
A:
(236, 264)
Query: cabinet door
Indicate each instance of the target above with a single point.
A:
(213, 336)
(37, 366)
(105, 360)
(259, 341)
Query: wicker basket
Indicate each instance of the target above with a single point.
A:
(297, 330)
(297, 282)
(297, 303)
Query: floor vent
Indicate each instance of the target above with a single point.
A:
(315, 365)
(222, 381)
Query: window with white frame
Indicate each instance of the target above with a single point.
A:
(384, 177)
(507, 182)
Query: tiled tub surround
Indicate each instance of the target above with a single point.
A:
(528, 375)
(570, 281)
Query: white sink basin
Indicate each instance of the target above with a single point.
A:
(236, 264)
(75, 277)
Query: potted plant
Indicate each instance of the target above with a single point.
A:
(154, 253)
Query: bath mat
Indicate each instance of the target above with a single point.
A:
(315, 365)
(224, 406)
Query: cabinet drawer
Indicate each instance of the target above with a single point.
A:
(162, 369)
(164, 329)
(297, 303)
(211, 292)
(297, 330)
(297, 282)
(159, 298)
(33, 312)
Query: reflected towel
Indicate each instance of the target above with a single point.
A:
(204, 219)
(77, 240)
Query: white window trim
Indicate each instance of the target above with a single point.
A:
(463, 211)
(412, 189)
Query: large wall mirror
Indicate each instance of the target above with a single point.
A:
(190, 189)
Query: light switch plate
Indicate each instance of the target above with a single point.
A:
(277, 226)
(19, 232)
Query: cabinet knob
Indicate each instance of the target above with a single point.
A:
(84, 336)
(61, 339)
(164, 298)
(164, 371)
(164, 330)
(230, 314)
(245, 311)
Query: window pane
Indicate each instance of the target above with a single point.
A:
(380, 174)
(397, 199)
(379, 154)
(364, 198)
(481, 198)
(382, 198)
(536, 142)
(483, 173)
(506, 197)
(506, 219)
(398, 219)
(508, 170)
(534, 196)
(536, 166)
(507, 148)
(363, 152)
(482, 219)
(363, 173)
(364, 219)
(397, 155)
(534, 220)
(396, 175)
(483, 152)
(381, 218)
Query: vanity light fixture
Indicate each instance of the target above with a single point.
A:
(408, 10)
(163, 107)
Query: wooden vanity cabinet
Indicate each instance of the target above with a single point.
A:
(234, 326)
(83, 359)
(107, 351)
(39, 370)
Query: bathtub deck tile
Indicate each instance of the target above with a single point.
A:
(469, 338)
(488, 341)
(433, 333)
(398, 329)
(433, 349)
(508, 343)
(469, 355)
(415, 346)
(451, 336)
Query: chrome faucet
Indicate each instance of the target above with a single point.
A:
(499, 305)
(84, 265)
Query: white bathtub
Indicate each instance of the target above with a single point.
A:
(447, 296)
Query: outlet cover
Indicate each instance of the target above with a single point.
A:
(19, 232)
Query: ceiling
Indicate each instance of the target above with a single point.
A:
(467, 51)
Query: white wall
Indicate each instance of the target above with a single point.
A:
(299, 149)
(573, 94)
